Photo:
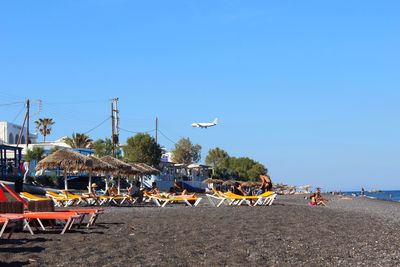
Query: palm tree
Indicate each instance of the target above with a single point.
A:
(36, 153)
(44, 126)
(79, 140)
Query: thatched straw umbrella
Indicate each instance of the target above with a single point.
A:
(150, 170)
(68, 161)
(145, 170)
(100, 167)
(142, 171)
(123, 169)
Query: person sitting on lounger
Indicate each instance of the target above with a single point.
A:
(177, 189)
(154, 190)
(93, 190)
(135, 191)
(238, 190)
(113, 191)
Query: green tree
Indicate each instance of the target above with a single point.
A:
(142, 148)
(103, 147)
(44, 126)
(242, 169)
(34, 154)
(185, 152)
(79, 140)
(53, 150)
(216, 156)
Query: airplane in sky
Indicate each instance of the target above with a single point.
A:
(205, 125)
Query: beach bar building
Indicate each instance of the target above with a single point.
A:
(10, 161)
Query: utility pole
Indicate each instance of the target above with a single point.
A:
(112, 128)
(26, 121)
(28, 105)
(114, 125)
(157, 130)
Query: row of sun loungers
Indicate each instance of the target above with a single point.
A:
(68, 217)
(217, 199)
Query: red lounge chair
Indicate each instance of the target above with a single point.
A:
(6, 222)
(68, 216)
(94, 213)
(3, 197)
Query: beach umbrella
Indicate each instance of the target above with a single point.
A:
(100, 167)
(123, 169)
(145, 170)
(149, 169)
(67, 160)
(306, 188)
(142, 170)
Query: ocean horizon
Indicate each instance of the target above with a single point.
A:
(388, 195)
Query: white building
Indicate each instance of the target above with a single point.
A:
(10, 133)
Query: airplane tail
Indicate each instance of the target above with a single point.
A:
(215, 121)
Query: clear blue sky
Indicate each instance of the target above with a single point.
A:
(311, 89)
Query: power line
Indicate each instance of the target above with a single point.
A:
(133, 132)
(75, 102)
(19, 113)
(166, 137)
(97, 126)
(11, 104)
(10, 96)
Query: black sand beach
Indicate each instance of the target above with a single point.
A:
(348, 232)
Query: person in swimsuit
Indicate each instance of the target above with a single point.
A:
(238, 190)
(154, 190)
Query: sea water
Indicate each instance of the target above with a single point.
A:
(385, 195)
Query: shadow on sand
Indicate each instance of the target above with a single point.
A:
(14, 264)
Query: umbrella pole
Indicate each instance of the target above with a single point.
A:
(119, 186)
(106, 184)
(65, 181)
(90, 183)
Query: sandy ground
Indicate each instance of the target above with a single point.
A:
(359, 232)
